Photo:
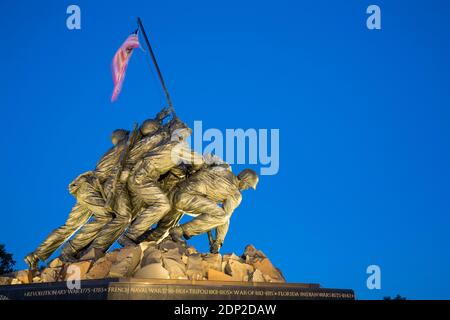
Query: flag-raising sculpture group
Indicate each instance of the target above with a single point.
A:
(148, 178)
(140, 189)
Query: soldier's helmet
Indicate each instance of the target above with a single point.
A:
(118, 135)
(249, 177)
(149, 126)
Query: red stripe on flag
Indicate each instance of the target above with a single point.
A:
(120, 63)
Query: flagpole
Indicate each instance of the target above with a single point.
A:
(152, 55)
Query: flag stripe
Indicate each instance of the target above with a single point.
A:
(120, 63)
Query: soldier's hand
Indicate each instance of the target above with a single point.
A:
(191, 170)
(215, 247)
(164, 113)
(74, 185)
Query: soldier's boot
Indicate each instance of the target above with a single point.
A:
(124, 241)
(152, 237)
(145, 237)
(91, 254)
(32, 260)
(177, 234)
(215, 247)
(68, 253)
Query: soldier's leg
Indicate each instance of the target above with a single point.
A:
(157, 205)
(111, 231)
(93, 200)
(210, 214)
(77, 217)
(169, 221)
(84, 237)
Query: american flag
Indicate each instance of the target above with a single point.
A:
(120, 63)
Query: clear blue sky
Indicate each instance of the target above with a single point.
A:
(363, 116)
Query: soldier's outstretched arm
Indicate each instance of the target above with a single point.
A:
(221, 232)
(231, 203)
(164, 113)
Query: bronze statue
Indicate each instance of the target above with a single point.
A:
(110, 230)
(148, 177)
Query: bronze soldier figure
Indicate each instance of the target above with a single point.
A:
(200, 195)
(143, 180)
(169, 185)
(90, 201)
(154, 134)
(149, 139)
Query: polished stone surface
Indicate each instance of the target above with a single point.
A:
(160, 289)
